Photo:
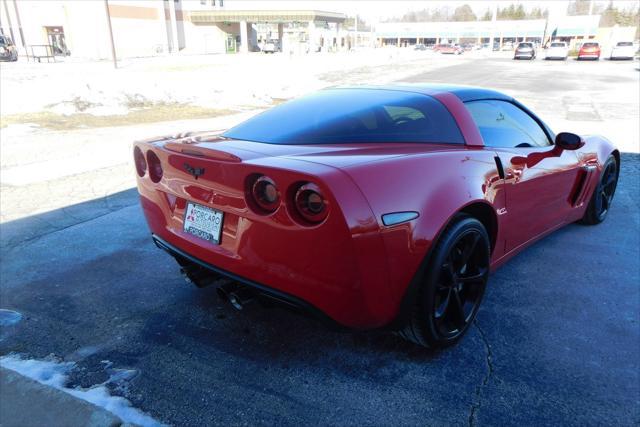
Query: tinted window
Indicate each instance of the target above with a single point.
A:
(525, 45)
(590, 45)
(624, 44)
(502, 124)
(557, 44)
(337, 116)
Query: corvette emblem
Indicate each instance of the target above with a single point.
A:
(196, 172)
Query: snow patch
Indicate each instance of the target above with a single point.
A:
(55, 374)
(9, 317)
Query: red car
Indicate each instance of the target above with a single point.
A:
(452, 49)
(371, 206)
(590, 50)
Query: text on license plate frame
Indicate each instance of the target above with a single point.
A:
(203, 222)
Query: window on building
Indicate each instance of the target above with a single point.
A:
(503, 124)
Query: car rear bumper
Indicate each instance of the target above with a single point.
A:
(621, 56)
(260, 288)
(588, 56)
(324, 277)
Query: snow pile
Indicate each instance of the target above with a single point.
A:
(55, 374)
(9, 317)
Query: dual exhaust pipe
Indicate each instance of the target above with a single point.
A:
(238, 296)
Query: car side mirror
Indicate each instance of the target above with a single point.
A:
(569, 141)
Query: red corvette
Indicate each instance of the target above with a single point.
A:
(371, 206)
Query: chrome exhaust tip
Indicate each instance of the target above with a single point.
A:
(239, 297)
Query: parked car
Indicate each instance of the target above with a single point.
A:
(448, 48)
(525, 50)
(557, 50)
(8, 51)
(589, 50)
(371, 207)
(271, 46)
(623, 50)
(420, 46)
(507, 46)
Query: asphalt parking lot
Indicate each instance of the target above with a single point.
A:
(557, 340)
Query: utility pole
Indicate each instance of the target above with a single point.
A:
(15, 8)
(356, 35)
(113, 46)
(494, 18)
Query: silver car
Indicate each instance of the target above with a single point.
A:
(525, 50)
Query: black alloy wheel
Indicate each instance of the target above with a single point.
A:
(460, 285)
(452, 287)
(606, 189)
(602, 198)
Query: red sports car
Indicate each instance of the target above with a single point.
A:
(371, 206)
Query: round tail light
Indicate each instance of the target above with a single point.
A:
(311, 204)
(141, 163)
(265, 194)
(155, 167)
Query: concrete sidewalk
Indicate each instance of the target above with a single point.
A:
(25, 403)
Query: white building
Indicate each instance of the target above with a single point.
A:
(152, 27)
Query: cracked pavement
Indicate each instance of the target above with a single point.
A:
(556, 341)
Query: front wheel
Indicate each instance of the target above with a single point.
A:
(602, 196)
(452, 288)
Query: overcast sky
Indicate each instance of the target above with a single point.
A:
(380, 9)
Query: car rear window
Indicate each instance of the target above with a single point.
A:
(624, 44)
(590, 45)
(525, 45)
(557, 44)
(336, 116)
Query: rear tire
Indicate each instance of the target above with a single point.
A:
(600, 202)
(452, 287)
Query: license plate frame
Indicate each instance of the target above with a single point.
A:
(203, 222)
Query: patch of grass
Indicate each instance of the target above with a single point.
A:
(158, 113)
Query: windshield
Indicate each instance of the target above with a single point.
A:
(557, 44)
(625, 44)
(336, 116)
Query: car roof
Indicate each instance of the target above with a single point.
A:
(464, 93)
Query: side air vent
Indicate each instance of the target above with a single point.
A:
(582, 182)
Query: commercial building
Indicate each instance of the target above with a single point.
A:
(572, 29)
(152, 27)
(459, 32)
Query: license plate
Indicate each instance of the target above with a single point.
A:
(203, 222)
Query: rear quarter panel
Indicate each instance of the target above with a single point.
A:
(437, 186)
